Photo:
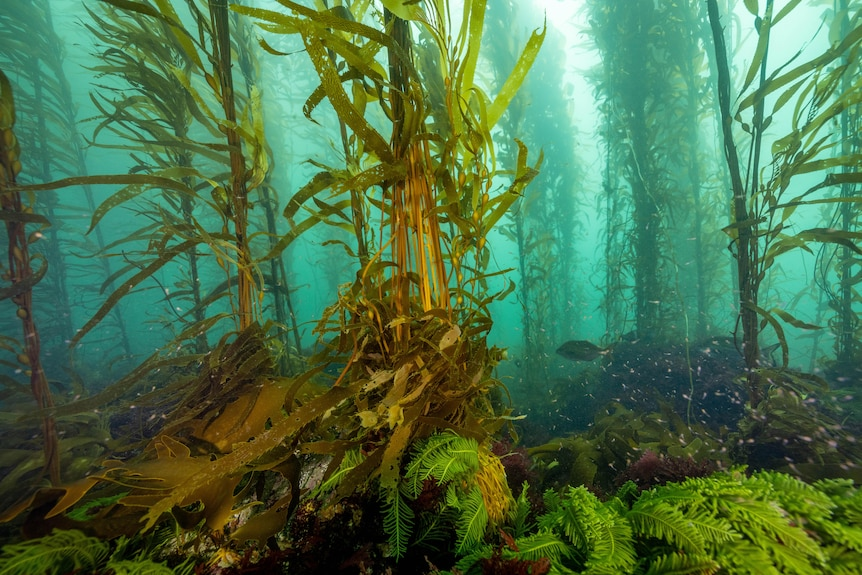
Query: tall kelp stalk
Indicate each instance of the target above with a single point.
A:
(16, 214)
(169, 79)
(276, 280)
(237, 188)
(843, 262)
(699, 209)
(635, 86)
(47, 130)
(763, 199)
(176, 76)
(411, 328)
(615, 209)
(543, 223)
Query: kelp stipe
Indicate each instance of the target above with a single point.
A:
(836, 263)
(22, 275)
(542, 224)
(652, 92)
(188, 78)
(762, 207)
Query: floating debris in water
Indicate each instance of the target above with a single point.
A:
(582, 350)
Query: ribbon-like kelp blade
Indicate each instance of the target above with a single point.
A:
(523, 176)
(785, 10)
(180, 33)
(769, 318)
(23, 217)
(127, 285)
(853, 37)
(760, 52)
(347, 112)
(138, 7)
(845, 239)
(516, 76)
(469, 45)
(318, 183)
(789, 318)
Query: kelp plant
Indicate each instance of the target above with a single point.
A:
(410, 330)
(16, 213)
(764, 199)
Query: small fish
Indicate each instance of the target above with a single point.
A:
(582, 350)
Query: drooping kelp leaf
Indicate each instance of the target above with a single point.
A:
(151, 480)
(847, 239)
(516, 76)
(769, 317)
(523, 176)
(23, 217)
(164, 257)
(336, 94)
(233, 396)
(320, 182)
(243, 456)
(852, 38)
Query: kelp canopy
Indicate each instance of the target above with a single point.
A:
(409, 333)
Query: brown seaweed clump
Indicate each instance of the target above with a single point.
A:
(653, 469)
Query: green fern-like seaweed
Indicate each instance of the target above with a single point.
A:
(67, 551)
(682, 564)
(57, 553)
(731, 523)
(444, 458)
(599, 531)
(472, 519)
(753, 524)
(659, 514)
(521, 513)
(543, 544)
(844, 527)
(138, 567)
(398, 521)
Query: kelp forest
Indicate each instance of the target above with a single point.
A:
(431, 287)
